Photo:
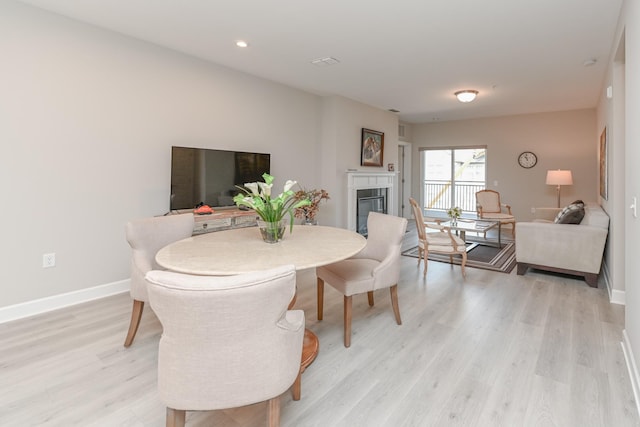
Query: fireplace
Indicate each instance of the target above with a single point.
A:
(368, 191)
(369, 200)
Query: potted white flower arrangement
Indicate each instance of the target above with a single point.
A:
(257, 196)
(454, 213)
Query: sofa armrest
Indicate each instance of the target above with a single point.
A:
(566, 246)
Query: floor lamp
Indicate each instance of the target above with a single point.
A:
(559, 177)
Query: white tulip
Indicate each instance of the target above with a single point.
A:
(289, 184)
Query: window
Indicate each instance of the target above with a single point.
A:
(451, 177)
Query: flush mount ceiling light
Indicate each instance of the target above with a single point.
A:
(466, 95)
(242, 43)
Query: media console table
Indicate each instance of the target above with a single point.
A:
(221, 219)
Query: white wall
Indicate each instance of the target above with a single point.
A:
(343, 120)
(561, 140)
(87, 119)
(630, 27)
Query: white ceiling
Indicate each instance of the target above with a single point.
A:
(411, 55)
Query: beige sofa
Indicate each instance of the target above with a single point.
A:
(563, 248)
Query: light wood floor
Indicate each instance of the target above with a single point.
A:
(492, 350)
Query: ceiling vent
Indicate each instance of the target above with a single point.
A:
(323, 62)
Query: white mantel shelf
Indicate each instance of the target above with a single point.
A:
(362, 180)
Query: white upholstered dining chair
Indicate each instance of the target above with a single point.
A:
(146, 237)
(377, 266)
(433, 237)
(227, 341)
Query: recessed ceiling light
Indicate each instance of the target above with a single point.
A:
(467, 95)
(589, 62)
(393, 110)
(242, 43)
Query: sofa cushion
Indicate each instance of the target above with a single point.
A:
(571, 214)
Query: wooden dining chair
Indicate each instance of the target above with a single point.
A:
(146, 237)
(227, 341)
(377, 266)
(436, 238)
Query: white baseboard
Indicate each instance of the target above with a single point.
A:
(615, 296)
(55, 302)
(631, 366)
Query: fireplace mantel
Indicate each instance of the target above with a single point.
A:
(360, 180)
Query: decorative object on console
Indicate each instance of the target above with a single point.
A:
(308, 213)
(558, 178)
(203, 210)
(372, 148)
(257, 196)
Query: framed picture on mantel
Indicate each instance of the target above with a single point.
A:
(372, 147)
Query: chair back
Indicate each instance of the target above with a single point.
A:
(146, 237)
(227, 341)
(417, 214)
(385, 235)
(489, 200)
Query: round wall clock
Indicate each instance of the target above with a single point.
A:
(527, 159)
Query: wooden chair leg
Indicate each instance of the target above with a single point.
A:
(419, 256)
(175, 417)
(320, 298)
(370, 297)
(136, 315)
(464, 262)
(426, 263)
(296, 391)
(394, 303)
(273, 412)
(347, 320)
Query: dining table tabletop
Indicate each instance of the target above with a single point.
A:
(242, 250)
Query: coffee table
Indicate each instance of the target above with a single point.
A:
(462, 226)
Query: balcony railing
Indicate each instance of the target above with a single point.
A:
(439, 195)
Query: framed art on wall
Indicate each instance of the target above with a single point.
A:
(603, 165)
(372, 147)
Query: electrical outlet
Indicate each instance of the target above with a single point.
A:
(48, 260)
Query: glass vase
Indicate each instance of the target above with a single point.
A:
(309, 221)
(272, 232)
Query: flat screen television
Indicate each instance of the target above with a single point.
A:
(207, 176)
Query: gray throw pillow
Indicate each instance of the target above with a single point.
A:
(572, 214)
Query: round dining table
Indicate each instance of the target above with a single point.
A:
(242, 250)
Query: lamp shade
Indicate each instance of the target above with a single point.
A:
(559, 177)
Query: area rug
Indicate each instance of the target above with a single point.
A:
(479, 256)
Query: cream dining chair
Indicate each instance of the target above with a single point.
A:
(377, 266)
(146, 237)
(433, 237)
(227, 341)
(489, 207)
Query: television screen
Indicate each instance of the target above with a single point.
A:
(206, 176)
